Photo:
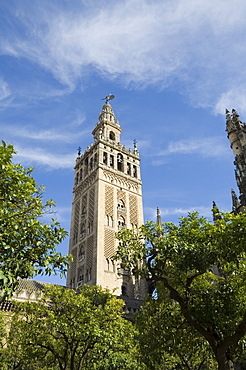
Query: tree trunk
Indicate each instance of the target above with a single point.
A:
(223, 362)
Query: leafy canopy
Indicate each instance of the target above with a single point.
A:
(27, 245)
(167, 341)
(201, 266)
(76, 330)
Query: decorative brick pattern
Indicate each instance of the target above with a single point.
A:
(133, 209)
(91, 203)
(109, 243)
(84, 205)
(121, 195)
(91, 209)
(76, 223)
(89, 252)
(122, 182)
(109, 201)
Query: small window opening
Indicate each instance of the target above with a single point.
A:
(111, 161)
(105, 158)
(90, 227)
(95, 159)
(112, 135)
(86, 166)
(128, 169)
(80, 276)
(82, 253)
(121, 222)
(120, 162)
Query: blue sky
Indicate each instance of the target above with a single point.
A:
(173, 66)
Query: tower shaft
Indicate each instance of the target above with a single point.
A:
(107, 196)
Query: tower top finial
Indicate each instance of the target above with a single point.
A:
(108, 97)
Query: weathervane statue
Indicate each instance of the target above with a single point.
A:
(108, 97)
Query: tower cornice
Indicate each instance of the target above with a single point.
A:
(108, 123)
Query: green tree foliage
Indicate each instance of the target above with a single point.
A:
(167, 342)
(68, 330)
(27, 245)
(201, 266)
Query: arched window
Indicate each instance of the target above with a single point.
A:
(76, 178)
(111, 222)
(108, 264)
(134, 170)
(81, 252)
(80, 278)
(121, 222)
(120, 162)
(113, 265)
(112, 135)
(121, 204)
(90, 227)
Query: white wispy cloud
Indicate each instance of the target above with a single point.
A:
(39, 156)
(4, 90)
(234, 97)
(44, 135)
(200, 44)
(80, 118)
(179, 212)
(206, 147)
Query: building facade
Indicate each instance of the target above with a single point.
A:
(107, 196)
(236, 133)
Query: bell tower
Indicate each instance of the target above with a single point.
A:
(107, 196)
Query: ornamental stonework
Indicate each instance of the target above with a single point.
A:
(109, 201)
(89, 251)
(121, 195)
(109, 242)
(121, 181)
(133, 209)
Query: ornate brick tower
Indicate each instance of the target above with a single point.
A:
(107, 196)
(237, 135)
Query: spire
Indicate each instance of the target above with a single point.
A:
(236, 120)
(235, 202)
(158, 217)
(230, 125)
(216, 212)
